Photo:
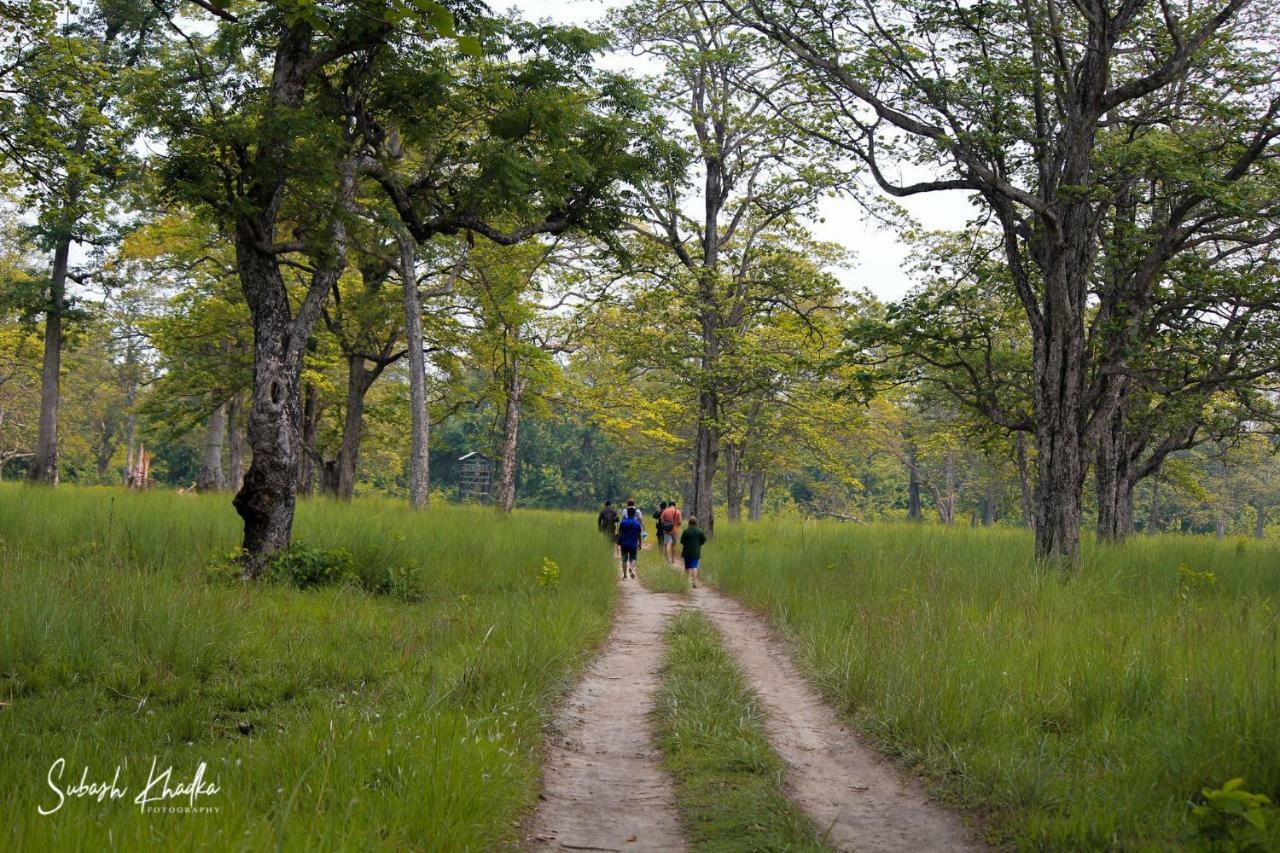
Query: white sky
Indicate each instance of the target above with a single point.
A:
(878, 253)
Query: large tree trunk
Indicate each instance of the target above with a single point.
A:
(914, 508)
(359, 380)
(266, 500)
(44, 463)
(1060, 445)
(1260, 521)
(705, 453)
(235, 441)
(516, 385)
(1115, 479)
(210, 478)
(755, 495)
(733, 481)
(419, 455)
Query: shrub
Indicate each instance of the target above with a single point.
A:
(549, 575)
(1231, 818)
(305, 567)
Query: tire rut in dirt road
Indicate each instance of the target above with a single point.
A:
(603, 784)
(852, 794)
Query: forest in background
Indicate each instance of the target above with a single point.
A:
(229, 216)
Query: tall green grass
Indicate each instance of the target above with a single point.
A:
(1081, 711)
(331, 719)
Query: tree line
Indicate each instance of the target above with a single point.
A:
(286, 238)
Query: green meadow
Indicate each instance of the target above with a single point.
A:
(400, 702)
(401, 708)
(1079, 711)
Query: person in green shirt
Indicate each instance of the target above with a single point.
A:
(691, 542)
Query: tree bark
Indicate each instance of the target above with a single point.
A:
(914, 509)
(419, 455)
(1260, 521)
(755, 495)
(516, 385)
(44, 462)
(1115, 478)
(733, 481)
(210, 478)
(310, 425)
(359, 380)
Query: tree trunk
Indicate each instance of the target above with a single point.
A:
(210, 478)
(310, 424)
(1060, 462)
(755, 495)
(419, 456)
(1153, 520)
(733, 481)
(266, 500)
(1260, 521)
(914, 509)
(705, 453)
(1024, 480)
(359, 381)
(235, 440)
(44, 462)
(516, 385)
(1115, 480)
(989, 503)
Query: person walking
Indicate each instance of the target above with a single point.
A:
(607, 522)
(657, 523)
(671, 521)
(630, 529)
(691, 542)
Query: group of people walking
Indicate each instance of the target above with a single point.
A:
(627, 532)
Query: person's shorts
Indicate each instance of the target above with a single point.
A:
(668, 539)
(628, 554)
(690, 563)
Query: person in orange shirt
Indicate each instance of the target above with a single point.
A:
(670, 522)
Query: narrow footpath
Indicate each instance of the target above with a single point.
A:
(603, 784)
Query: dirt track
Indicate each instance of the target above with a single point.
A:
(605, 788)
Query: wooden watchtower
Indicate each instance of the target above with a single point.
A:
(475, 477)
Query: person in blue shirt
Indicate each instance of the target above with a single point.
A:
(630, 530)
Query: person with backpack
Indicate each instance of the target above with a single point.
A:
(691, 542)
(630, 531)
(607, 522)
(671, 521)
(657, 523)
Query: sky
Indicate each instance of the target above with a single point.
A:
(877, 253)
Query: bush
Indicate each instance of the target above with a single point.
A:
(305, 567)
(1231, 818)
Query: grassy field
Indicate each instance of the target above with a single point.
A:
(329, 718)
(1076, 712)
(729, 781)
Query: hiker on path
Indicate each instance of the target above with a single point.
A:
(657, 523)
(691, 542)
(670, 526)
(607, 522)
(630, 531)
